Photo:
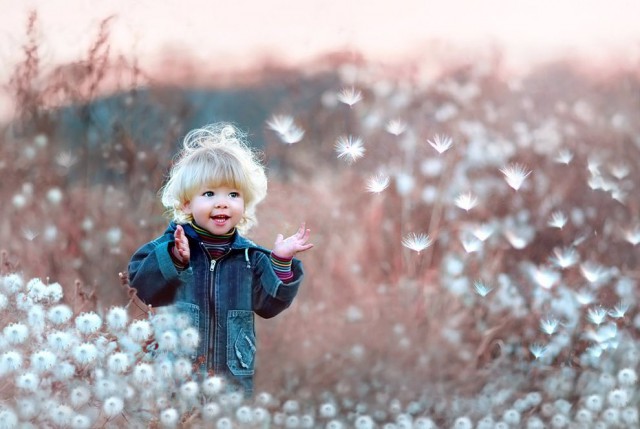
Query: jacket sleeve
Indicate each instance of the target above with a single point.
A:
(153, 274)
(270, 295)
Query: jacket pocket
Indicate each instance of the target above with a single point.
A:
(190, 311)
(241, 342)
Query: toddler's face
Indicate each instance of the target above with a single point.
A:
(218, 209)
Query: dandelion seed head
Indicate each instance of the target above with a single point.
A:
(59, 314)
(349, 148)
(596, 315)
(211, 411)
(85, 353)
(80, 421)
(12, 283)
(118, 362)
(117, 318)
(42, 361)
(189, 390)
(349, 96)
(515, 175)
(189, 338)
(182, 368)
(143, 373)
(378, 183)
(28, 381)
(88, 323)
(558, 220)
(169, 418)
(396, 127)
(441, 143)
(565, 257)
(416, 242)
(537, 350)
(16, 333)
(466, 201)
(112, 406)
(139, 330)
(564, 156)
(549, 326)
(213, 385)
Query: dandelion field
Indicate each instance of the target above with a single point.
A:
(475, 263)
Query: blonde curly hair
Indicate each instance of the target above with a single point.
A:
(215, 155)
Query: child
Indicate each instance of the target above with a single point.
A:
(203, 266)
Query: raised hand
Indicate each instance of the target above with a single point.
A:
(181, 248)
(286, 248)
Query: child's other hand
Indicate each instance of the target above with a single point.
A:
(181, 248)
(286, 248)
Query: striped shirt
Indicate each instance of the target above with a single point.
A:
(219, 245)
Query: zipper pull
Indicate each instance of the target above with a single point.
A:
(212, 265)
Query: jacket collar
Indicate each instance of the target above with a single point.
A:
(239, 242)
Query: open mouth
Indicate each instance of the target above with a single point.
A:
(220, 219)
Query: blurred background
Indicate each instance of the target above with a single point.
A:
(96, 96)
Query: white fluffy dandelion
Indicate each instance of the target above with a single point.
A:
(167, 341)
(10, 361)
(515, 174)
(349, 96)
(169, 418)
(79, 396)
(85, 353)
(43, 360)
(183, 368)
(564, 156)
(466, 201)
(112, 406)
(377, 183)
(441, 143)
(211, 411)
(565, 257)
(117, 318)
(558, 220)
(212, 385)
(16, 333)
(549, 326)
(143, 373)
(286, 128)
(416, 242)
(88, 323)
(59, 314)
(481, 288)
(60, 340)
(118, 362)
(189, 338)
(349, 148)
(139, 330)
(537, 350)
(28, 381)
(396, 127)
(596, 315)
(80, 421)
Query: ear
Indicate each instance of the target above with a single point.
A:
(186, 207)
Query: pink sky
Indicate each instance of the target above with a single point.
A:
(234, 33)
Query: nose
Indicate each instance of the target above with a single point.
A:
(221, 203)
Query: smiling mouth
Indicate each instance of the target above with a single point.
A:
(220, 218)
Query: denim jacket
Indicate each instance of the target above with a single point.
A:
(220, 296)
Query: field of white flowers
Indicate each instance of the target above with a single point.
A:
(475, 264)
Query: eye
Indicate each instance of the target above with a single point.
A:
(207, 194)
(234, 194)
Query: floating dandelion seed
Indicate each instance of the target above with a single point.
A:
(584, 297)
(515, 174)
(592, 272)
(565, 257)
(564, 156)
(619, 310)
(66, 159)
(558, 220)
(545, 277)
(620, 171)
(280, 123)
(632, 235)
(349, 148)
(482, 232)
(481, 288)
(416, 242)
(349, 96)
(466, 201)
(596, 315)
(471, 244)
(377, 183)
(537, 350)
(396, 127)
(549, 326)
(441, 143)
(286, 128)
(29, 234)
